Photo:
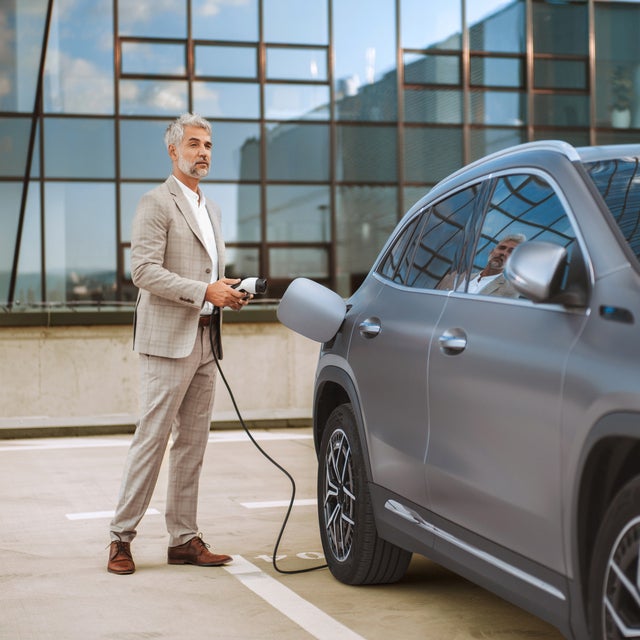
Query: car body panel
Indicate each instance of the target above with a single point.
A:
(397, 436)
(497, 430)
(494, 460)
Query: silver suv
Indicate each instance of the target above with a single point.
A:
(493, 426)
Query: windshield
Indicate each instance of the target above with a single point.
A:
(618, 181)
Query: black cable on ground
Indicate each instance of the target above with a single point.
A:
(272, 461)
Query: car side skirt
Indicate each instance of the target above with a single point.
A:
(537, 589)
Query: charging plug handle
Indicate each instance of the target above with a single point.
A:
(252, 285)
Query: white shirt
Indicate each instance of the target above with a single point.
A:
(199, 209)
(480, 282)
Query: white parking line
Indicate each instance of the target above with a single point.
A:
(94, 515)
(303, 502)
(90, 442)
(313, 620)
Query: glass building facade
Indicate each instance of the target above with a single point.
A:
(330, 118)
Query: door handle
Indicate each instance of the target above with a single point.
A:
(370, 328)
(453, 341)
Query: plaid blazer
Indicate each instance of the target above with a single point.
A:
(172, 268)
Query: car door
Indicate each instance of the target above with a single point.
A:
(398, 309)
(495, 380)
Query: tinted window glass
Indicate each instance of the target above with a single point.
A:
(440, 251)
(522, 207)
(394, 266)
(617, 181)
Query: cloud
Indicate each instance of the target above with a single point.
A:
(213, 7)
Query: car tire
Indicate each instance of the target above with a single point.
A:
(614, 586)
(354, 551)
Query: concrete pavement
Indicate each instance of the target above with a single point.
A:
(57, 497)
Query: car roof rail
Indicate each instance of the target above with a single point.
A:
(559, 146)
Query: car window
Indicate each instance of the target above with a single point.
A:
(395, 264)
(440, 250)
(618, 182)
(522, 207)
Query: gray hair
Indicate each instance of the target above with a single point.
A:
(175, 131)
(513, 237)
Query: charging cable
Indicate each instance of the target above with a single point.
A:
(270, 459)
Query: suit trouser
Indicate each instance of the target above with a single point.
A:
(176, 396)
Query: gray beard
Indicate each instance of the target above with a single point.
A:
(191, 170)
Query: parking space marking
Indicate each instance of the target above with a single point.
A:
(302, 502)
(306, 615)
(90, 442)
(94, 515)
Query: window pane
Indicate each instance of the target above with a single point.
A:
(365, 216)
(294, 263)
(296, 102)
(617, 50)
(431, 69)
(497, 72)
(243, 262)
(622, 136)
(395, 264)
(236, 151)
(298, 213)
(130, 195)
(560, 27)
(487, 140)
(300, 152)
(14, 145)
(79, 148)
(142, 151)
(368, 154)
(561, 110)
(424, 28)
(523, 204)
(296, 64)
(225, 20)
(617, 182)
(433, 106)
(227, 99)
(153, 58)
(20, 45)
(240, 206)
(292, 21)
(496, 25)
(149, 18)
(79, 65)
(431, 154)
(375, 102)
(560, 74)
(437, 261)
(498, 107)
(153, 97)
(11, 195)
(80, 241)
(365, 53)
(28, 290)
(239, 62)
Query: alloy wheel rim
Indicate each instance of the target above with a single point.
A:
(621, 587)
(339, 496)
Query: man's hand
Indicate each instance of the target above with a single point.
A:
(221, 294)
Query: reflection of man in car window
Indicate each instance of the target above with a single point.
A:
(491, 281)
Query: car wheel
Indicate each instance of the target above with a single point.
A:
(353, 550)
(614, 593)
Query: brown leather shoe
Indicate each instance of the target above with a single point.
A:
(120, 558)
(196, 551)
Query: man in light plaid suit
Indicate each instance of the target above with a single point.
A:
(177, 262)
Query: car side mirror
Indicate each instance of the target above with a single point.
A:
(311, 310)
(536, 270)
